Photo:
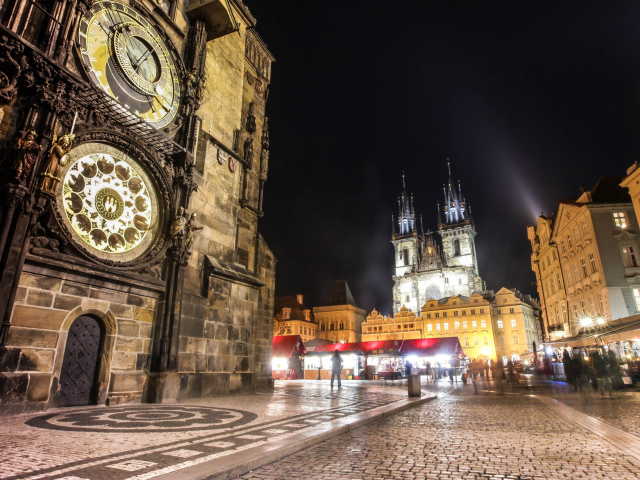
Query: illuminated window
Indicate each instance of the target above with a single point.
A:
(513, 322)
(474, 324)
(465, 325)
(286, 313)
(499, 323)
(485, 340)
(466, 341)
(446, 326)
(437, 327)
(584, 227)
(636, 297)
(630, 259)
(483, 323)
(456, 325)
(429, 328)
(583, 264)
(592, 262)
(620, 219)
(476, 341)
(515, 339)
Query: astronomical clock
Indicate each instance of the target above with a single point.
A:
(126, 57)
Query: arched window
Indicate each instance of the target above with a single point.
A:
(456, 247)
(331, 326)
(406, 256)
(341, 325)
(322, 327)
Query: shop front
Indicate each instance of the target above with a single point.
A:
(286, 363)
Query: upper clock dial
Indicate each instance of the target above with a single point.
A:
(127, 58)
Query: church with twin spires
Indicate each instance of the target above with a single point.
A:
(424, 269)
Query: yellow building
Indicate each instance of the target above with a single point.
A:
(545, 262)
(468, 318)
(340, 319)
(292, 317)
(405, 325)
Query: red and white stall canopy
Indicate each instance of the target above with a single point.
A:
(286, 345)
(422, 347)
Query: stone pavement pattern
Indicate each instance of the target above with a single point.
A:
(141, 441)
(462, 436)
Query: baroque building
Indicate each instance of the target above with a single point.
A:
(292, 317)
(425, 270)
(594, 238)
(339, 319)
(135, 151)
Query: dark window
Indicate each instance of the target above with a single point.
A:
(456, 247)
(406, 256)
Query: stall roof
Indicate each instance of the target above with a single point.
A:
(423, 347)
(285, 345)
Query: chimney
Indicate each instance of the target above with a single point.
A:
(300, 299)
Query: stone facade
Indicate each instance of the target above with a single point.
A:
(192, 315)
(340, 319)
(594, 240)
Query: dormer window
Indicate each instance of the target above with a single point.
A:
(620, 219)
(286, 313)
(307, 315)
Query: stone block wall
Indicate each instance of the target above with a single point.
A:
(47, 302)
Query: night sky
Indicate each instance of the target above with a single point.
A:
(528, 99)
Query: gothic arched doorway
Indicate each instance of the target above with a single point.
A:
(80, 362)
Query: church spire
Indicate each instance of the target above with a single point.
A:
(454, 206)
(439, 215)
(406, 214)
(393, 226)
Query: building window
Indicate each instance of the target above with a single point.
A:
(286, 313)
(464, 312)
(466, 341)
(558, 314)
(429, 328)
(446, 327)
(437, 327)
(322, 327)
(428, 315)
(465, 325)
(437, 314)
(482, 310)
(555, 257)
(569, 241)
(456, 247)
(515, 339)
(485, 340)
(476, 341)
(341, 325)
(620, 219)
(600, 303)
(575, 272)
(473, 311)
(499, 312)
(583, 264)
(444, 314)
(456, 325)
(592, 262)
(511, 310)
(592, 308)
(405, 253)
(568, 272)
(575, 234)
(583, 307)
(575, 311)
(455, 313)
(474, 324)
(630, 259)
(558, 280)
(636, 297)
(584, 227)
(408, 298)
(562, 246)
(483, 323)
(331, 326)
(564, 313)
(499, 323)
(513, 322)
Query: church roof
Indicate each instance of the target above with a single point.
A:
(340, 294)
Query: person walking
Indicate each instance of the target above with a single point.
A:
(336, 368)
(614, 368)
(474, 376)
(498, 373)
(566, 363)
(601, 372)
(577, 371)
(408, 367)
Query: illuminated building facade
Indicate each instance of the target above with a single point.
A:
(292, 317)
(423, 268)
(136, 153)
(595, 241)
(339, 319)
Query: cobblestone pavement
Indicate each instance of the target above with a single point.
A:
(137, 441)
(466, 436)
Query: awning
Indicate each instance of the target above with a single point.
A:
(423, 347)
(285, 345)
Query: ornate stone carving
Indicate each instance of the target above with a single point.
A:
(13, 67)
(178, 228)
(51, 170)
(250, 124)
(191, 227)
(248, 150)
(24, 154)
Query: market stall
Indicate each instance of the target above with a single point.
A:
(286, 361)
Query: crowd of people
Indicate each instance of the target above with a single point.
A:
(600, 369)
